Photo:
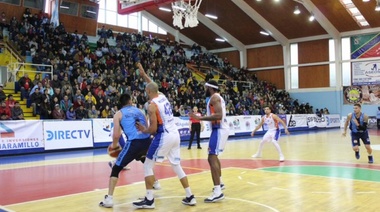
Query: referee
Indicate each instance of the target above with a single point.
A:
(195, 127)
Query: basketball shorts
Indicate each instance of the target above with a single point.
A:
(218, 140)
(165, 145)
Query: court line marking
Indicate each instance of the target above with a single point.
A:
(227, 198)
(101, 189)
(337, 178)
(5, 209)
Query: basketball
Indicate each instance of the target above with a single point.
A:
(113, 152)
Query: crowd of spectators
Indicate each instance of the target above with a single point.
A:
(86, 82)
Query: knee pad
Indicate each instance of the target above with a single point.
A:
(148, 167)
(116, 170)
(177, 168)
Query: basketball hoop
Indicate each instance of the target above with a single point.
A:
(183, 9)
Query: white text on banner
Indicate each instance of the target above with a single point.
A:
(102, 130)
(332, 120)
(67, 134)
(15, 135)
(315, 121)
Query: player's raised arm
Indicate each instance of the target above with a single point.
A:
(143, 73)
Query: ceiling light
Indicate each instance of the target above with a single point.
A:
(366, 0)
(264, 33)
(165, 9)
(220, 40)
(311, 18)
(64, 7)
(377, 8)
(211, 16)
(297, 10)
(89, 11)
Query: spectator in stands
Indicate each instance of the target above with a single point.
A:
(93, 113)
(89, 96)
(45, 109)
(27, 15)
(70, 114)
(55, 83)
(2, 93)
(5, 110)
(17, 112)
(106, 112)
(81, 113)
(36, 99)
(58, 113)
(65, 103)
(10, 101)
(4, 21)
(25, 85)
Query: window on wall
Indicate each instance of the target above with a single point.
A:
(294, 69)
(15, 2)
(332, 66)
(69, 8)
(108, 15)
(346, 66)
(89, 12)
(38, 4)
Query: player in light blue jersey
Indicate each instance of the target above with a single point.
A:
(136, 145)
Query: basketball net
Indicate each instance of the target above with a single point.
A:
(184, 10)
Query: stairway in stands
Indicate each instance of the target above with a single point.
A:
(9, 88)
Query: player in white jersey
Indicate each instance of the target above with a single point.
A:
(216, 113)
(273, 134)
(165, 144)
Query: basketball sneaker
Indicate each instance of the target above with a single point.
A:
(214, 198)
(189, 201)
(256, 156)
(370, 159)
(222, 187)
(357, 155)
(107, 202)
(156, 185)
(282, 158)
(144, 203)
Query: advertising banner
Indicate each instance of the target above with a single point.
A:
(21, 134)
(183, 124)
(67, 134)
(296, 120)
(366, 73)
(102, 129)
(332, 120)
(365, 94)
(316, 121)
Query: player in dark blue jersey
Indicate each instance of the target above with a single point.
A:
(358, 123)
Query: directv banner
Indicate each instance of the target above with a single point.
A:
(102, 130)
(67, 134)
(21, 134)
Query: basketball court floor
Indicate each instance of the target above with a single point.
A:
(320, 173)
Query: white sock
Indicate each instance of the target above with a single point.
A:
(110, 196)
(221, 181)
(188, 192)
(217, 190)
(149, 194)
